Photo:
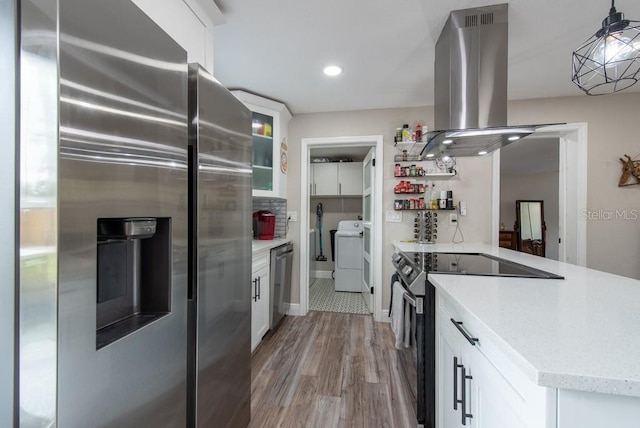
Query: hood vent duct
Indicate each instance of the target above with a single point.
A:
(471, 85)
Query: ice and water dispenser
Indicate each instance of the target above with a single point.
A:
(134, 275)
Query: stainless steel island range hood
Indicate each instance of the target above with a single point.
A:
(471, 85)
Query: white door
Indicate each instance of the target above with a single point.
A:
(367, 227)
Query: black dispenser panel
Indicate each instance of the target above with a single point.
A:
(134, 275)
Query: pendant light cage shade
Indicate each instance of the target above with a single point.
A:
(610, 60)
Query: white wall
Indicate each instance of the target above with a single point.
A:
(474, 173)
(541, 186)
(189, 22)
(613, 128)
(612, 245)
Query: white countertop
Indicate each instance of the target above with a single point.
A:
(579, 333)
(257, 245)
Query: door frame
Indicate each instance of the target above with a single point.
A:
(371, 156)
(572, 190)
(345, 141)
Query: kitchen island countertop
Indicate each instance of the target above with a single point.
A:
(580, 333)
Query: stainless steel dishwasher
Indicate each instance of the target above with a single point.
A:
(280, 283)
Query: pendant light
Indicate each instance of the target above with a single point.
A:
(610, 60)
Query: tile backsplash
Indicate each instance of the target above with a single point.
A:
(279, 208)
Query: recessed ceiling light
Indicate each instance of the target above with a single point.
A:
(482, 152)
(514, 138)
(447, 141)
(430, 155)
(332, 70)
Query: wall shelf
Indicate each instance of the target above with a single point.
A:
(434, 175)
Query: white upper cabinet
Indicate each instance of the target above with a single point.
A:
(269, 132)
(324, 179)
(189, 22)
(350, 178)
(336, 179)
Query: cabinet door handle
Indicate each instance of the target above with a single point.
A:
(315, 189)
(456, 366)
(339, 188)
(259, 287)
(255, 289)
(472, 340)
(463, 411)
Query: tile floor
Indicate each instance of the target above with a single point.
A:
(324, 298)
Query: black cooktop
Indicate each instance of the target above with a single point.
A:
(482, 265)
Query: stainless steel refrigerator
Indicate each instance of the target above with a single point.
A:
(220, 175)
(103, 294)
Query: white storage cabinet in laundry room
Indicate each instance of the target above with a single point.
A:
(259, 297)
(335, 179)
(348, 268)
(350, 178)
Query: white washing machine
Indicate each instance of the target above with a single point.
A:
(348, 263)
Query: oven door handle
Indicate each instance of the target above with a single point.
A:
(410, 299)
(472, 340)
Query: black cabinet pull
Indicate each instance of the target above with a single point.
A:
(259, 287)
(456, 366)
(463, 412)
(255, 289)
(472, 340)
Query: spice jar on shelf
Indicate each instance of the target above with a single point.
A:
(404, 155)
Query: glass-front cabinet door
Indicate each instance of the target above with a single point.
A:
(262, 132)
(269, 134)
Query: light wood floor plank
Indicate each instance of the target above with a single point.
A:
(329, 370)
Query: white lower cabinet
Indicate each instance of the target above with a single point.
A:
(473, 392)
(259, 299)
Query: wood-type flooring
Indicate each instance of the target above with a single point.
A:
(329, 370)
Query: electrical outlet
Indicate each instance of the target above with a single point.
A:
(292, 215)
(453, 219)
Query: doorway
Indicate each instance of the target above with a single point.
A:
(572, 190)
(529, 170)
(337, 208)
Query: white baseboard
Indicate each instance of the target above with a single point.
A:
(322, 274)
(384, 316)
(293, 309)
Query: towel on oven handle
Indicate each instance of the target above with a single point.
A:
(398, 314)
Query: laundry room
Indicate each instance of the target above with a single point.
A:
(336, 228)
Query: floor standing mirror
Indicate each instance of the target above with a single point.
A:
(530, 227)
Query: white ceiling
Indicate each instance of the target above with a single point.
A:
(277, 48)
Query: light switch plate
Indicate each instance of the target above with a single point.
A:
(463, 208)
(292, 215)
(394, 217)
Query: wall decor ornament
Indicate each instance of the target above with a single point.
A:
(630, 171)
(283, 156)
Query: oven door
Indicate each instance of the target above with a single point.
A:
(418, 361)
